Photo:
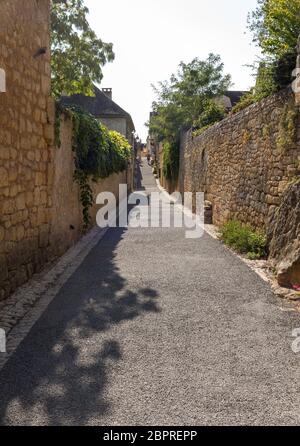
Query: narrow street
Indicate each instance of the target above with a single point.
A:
(157, 329)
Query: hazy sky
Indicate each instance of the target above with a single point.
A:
(151, 37)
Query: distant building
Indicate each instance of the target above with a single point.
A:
(105, 109)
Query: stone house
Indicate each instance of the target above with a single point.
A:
(105, 109)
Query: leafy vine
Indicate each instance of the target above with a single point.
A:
(99, 152)
(287, 127)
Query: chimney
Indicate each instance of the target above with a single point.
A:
(107, 92)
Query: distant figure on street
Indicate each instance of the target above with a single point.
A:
(148, 159)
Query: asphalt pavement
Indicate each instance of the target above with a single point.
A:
(157, 329)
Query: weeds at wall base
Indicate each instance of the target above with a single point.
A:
(244, 240)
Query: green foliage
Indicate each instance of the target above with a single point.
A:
(120, 151)
(243, 239)
(86, 195)
(265, 82)
(200, 131)
(213, 112)
(77, 54)
(170, 161)
(98, 153)
(276, 26)
(246, 100)
(288, 127)
(272, 76)
(187, 100)
(267, 131)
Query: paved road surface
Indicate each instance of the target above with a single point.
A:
(156, 329)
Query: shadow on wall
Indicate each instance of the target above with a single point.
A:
(54, 378)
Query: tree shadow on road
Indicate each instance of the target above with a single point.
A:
(60, 373)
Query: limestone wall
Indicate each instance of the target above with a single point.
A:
(40, 210)
(24, 153)
(67, 222)
(245, 163)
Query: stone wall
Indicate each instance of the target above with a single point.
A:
(24, 153)
(40, 210)
(284, 231)
(67, 222)
(244, 163)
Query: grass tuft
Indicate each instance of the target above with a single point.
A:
(244, 240)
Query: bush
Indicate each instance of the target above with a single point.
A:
(246, 100)
(99, 152)
(199, 132)
(272, 76)
(120, 151)
(212, 113)
(171, 160)
(244, 239)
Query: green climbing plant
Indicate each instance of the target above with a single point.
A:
(170, 160)
(86, 195)
(288, 127)
(99, 152)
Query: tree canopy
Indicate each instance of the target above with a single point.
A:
(78, 55)
(276, 26)
(188, 99)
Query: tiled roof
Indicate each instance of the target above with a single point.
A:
(98, 105)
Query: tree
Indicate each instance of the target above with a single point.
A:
(78, 55)
(276, 26)
(189, 96)
(188, 99)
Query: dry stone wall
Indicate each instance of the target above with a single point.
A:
(244, 163)
(40, 210)
(24, 153)
(246, 166)
(67, 221)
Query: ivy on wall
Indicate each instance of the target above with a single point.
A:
(171, 161)
(99, 152)
(288, 127)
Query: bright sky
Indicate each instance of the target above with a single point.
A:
(151, 37)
